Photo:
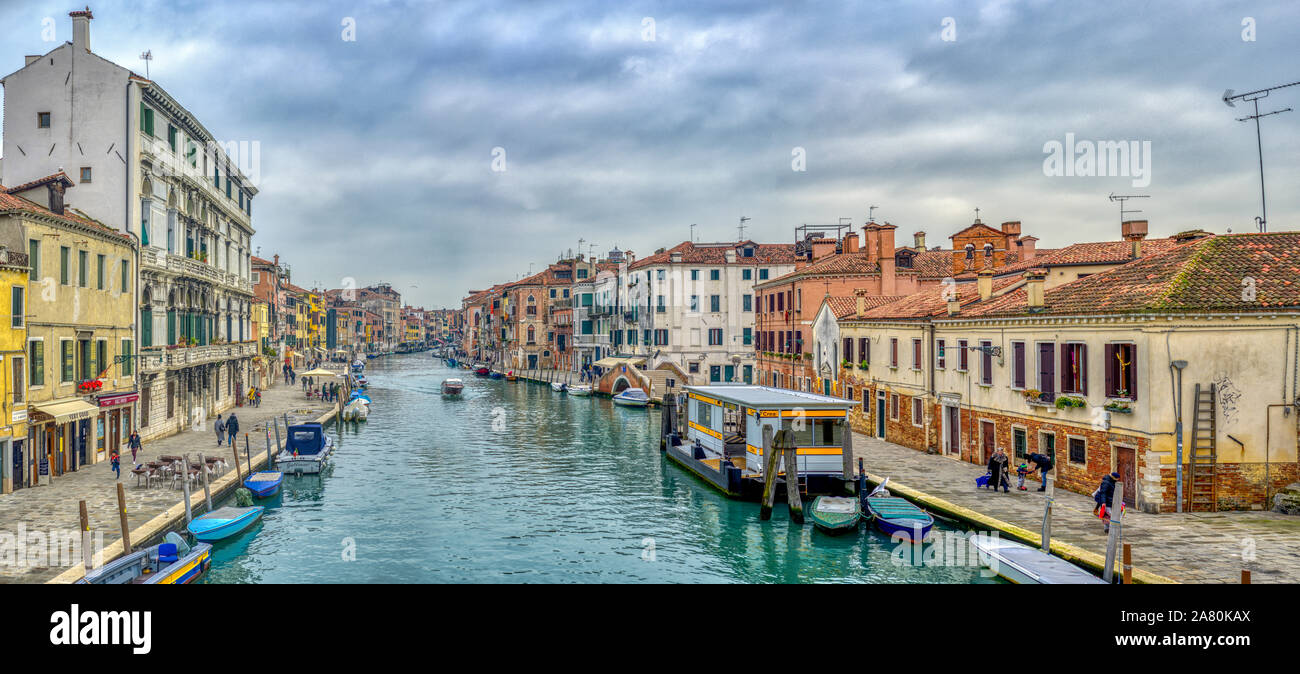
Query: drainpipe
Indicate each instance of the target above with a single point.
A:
(1176, 366)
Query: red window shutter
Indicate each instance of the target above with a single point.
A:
(1111, 369)
(1083, 369)
(1133, 371)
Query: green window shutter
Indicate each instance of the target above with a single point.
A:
(63, 265)
(99, 272)
(171, 327)
(128, 363)
(171, 137)
(146, 327)
(69, 369)
(34, 259)
(101, 357)
(36, 375)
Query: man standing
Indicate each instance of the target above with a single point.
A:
(232, 427)
(220, 427)
(134, 443)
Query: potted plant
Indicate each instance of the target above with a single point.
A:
(1119, 406)
(1070, 401)
(863, 365)
(846, 364)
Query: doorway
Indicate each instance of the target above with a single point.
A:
(987, 439)
(1126, 464)
(880, 415)
(952, 418)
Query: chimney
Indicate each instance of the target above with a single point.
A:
(81, 28)
(675, 257)
(871, 234)
(985, 283)
(888, 281)
(851, 242)
(1034, 287)
(1134, 231)
(30, 59)
(56, 189)
(919, 239)
(1028, 247)
(862, 301)
(730, 255)
(1011, 230)
(954, 306)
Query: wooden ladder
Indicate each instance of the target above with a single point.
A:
(1202, 497)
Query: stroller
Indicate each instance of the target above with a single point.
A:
(983, 481)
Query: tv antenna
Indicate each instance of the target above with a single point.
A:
(146, 57)
(692, 232)
(743, 220)
(871, 213)
(1121, 198)
(1253, 97)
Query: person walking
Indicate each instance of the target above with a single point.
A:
(117, 463)
(220, 427)
(1105, 498)
(134, 443)
(1042, 463)
(998, 471)
(257, 401)
(232, 427)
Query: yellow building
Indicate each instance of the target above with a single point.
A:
(80, 315)
(13, 351)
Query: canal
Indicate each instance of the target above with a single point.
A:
(516, 483)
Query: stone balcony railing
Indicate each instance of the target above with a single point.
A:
(179, 264)
(155, 358)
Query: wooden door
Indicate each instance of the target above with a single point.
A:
(880, 416)
(987, 439)
(1126, 464)
(954, 430)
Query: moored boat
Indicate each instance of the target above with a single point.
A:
(559, 386)
(452, 387)
(632, 397)
(495, 374)
(1022, 564)
(511, 376)
(306, 451)
(579, 390)
(835, 514)
(264, 483)
(223, 522)
(897, 516)
(172, 562)
(482, 372)
(357, 409)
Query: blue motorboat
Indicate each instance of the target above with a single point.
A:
(897, 516)
(306, 450)
(223, 522)
(264, 483)
(632, 397)
(172, 562)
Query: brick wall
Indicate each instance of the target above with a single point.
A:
(1238, 486)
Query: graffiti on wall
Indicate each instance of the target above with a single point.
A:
(1228, 396)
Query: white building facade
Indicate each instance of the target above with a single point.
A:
(144, 165)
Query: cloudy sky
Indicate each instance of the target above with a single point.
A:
(623, 123)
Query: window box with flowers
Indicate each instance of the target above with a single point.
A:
(89, 386)
(863, 365)
(1036, 398)
(1119, 406)
(1065, 402)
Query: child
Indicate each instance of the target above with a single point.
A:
(1021, 470)
(117, 464)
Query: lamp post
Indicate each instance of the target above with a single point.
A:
(1176, 367)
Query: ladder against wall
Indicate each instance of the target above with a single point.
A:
(1202, 497)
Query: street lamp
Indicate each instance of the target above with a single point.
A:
(1176, 366)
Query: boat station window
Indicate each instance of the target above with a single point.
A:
(828, 432)
(703, 414)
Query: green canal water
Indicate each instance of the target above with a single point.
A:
(566, 489)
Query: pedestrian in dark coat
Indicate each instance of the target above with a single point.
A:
(1042, 463)
(998, 471)
(1105, 499)
(232, 427)
(220, 428)
(134, 444)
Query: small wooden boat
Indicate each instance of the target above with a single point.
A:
(264, 483)
(452, 387)
(223, 522)
(632, 397)
(1022, 564)
(172, 562)
(482, 372)
(579, 390)
(835, 515)
(496, 375)
(559, 386)
(511, 376)
(894, 515)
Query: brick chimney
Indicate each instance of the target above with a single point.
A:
(888, 280)
(1028, 247)
(851, 242)
(954, 306)
(919, 240)
(81, 28)
(862, 301)
(1134, 231)
(1034, 288)
(985, 284)
(1011, 230)
(56, 189)
(871, 234)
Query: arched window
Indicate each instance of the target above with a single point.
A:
(988, 250)
(970, 251)
(531, 335)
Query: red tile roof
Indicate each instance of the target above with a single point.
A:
(847, 306)
(933, 300)
(12, 203)
(1096, 252)
(1204, 275)
(60, 177)
(696, 253)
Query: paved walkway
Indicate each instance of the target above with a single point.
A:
(54, 507)
(1186, 547)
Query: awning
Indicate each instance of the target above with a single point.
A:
(61, 412)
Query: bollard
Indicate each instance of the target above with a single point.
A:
(239, 473)
(1128, 565)
(1245, 576)
(786, 440)
(121, 511)
(85, 539)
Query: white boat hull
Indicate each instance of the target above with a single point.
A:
(1024, 565)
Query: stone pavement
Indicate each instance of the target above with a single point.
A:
(54, 507)
(1186, 547)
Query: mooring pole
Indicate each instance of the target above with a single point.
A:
(785, 439)
(1128, 564)
(203, 470)
(248, 457)
(1116, 524)
(1047, 514)
(121, 513)
(846, 451)
(769, 475)
(239, 473)
(86, 558)
(278, 445)
(185, 489)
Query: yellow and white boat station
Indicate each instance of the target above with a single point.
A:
(720, 436)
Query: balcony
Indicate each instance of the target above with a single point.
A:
(156, 358)
(184, 266)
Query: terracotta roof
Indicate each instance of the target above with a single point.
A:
(59, 177)
(933, 263)
(933, 301)
(1096, 252)
(1198, 276)
(694, 253)
(847, 306)
(11, 202)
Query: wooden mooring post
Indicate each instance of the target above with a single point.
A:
(846, 450)
(1116, 532)
(1245, 576)
(666, 421)
(86, 557)
(769, 475)
(239, 472)
(121, 514)
(207, 492)
(185, 489)
(1128, 564)
(248, 456)
(785, 440)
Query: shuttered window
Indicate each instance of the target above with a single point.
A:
(848, 349)
(986, 363)
(864, 350)
(1121, 371)
(1074, 368)
(36, 358)
(916, 354)
(1018, 365)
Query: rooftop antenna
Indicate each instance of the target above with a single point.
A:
(692, 232)
(580, 242)
(1253, 97)
(743, 220)
(1121, 198)
(871, 213)
(146, 57)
